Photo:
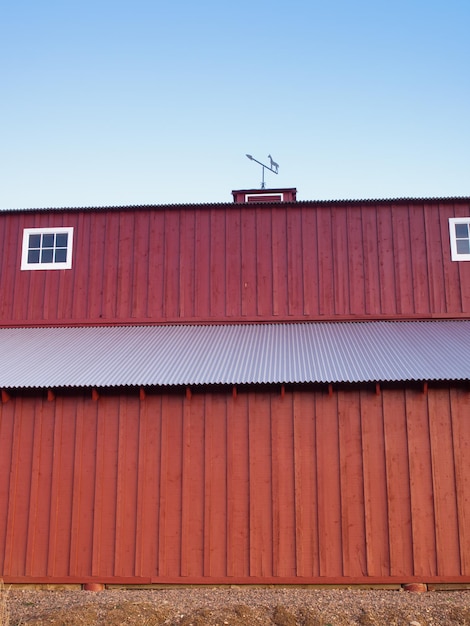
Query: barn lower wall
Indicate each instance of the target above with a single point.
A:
(260, 486)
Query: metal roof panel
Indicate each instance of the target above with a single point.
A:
(323, 352)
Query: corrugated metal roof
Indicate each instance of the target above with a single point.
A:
(234, 354)
(224, 204)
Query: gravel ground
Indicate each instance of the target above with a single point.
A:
(236, 607)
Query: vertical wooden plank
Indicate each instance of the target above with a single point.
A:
(171, 268)
(375, 484)
(80, 272)
(106, 515)
(169, 548)
(92, 255)
(40, 495)
(326, 285)
(148, 487)
(371, 261)
(140, 270)
(193, 488)
(294, 262)
(110, 268)
(187, 246)
(329, 486)
(264, 269)
(284, 536)
(238, 486)
(125, 264)
(155, 286)
(309, 250)
(435, 259)
(279, 262)
(233, 263)
(398, 483)
(385, 237)
(126, 507)
(443, 478)
(7, 475)
(420, 249)
(356, 269)
(261, 525)
(217, 263)
(306, 498)
(10, 255)
(402, 260)
(215, 470)
(66, 277)
(352, 484)
(249, 268)
(340, 250)
(202, 265)
(422, 509)
(460, 410)
(58, 563)
(81, 549)
(20, 486)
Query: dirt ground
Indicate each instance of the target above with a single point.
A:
(235, 607)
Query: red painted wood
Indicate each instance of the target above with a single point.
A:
(375, 484)
(238, 486)
(169, 557)
(328, 485)
(309, 243)
(302, 261)
(421, 488)
(398, 483)
(305, 482)
(352, 484)
(460, 401)
(193, 488)
(215, 487)
(127, 486)
(280, 284)
(254, 488)
(283, 486)
(261, 504)
(443, 476)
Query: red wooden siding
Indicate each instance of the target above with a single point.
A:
(240, 262)
(256, 486)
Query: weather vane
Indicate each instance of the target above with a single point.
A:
(274, 167)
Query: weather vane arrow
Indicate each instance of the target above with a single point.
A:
(274, 168)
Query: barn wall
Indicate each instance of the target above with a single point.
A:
(353, 486)
(240, 263)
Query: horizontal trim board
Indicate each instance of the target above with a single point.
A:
(179, 355)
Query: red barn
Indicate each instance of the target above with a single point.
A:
(263, 391)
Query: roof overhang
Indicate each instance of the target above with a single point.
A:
(320, 352)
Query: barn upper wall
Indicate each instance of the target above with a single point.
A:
(240, 262)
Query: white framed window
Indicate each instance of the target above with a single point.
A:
(47, 248)
(459, 228)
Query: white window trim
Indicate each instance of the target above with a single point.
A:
(456, 256)
(277, 194)
(66, 265)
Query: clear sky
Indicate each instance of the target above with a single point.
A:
(113, 102)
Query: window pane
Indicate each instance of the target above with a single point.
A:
(461, 230)
(48, 241)
(47, 255)
(33, 256)
(34, 241)
(61, 240)
(463, 246)
(60, 255)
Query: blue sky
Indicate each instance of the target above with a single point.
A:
(151, 102)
